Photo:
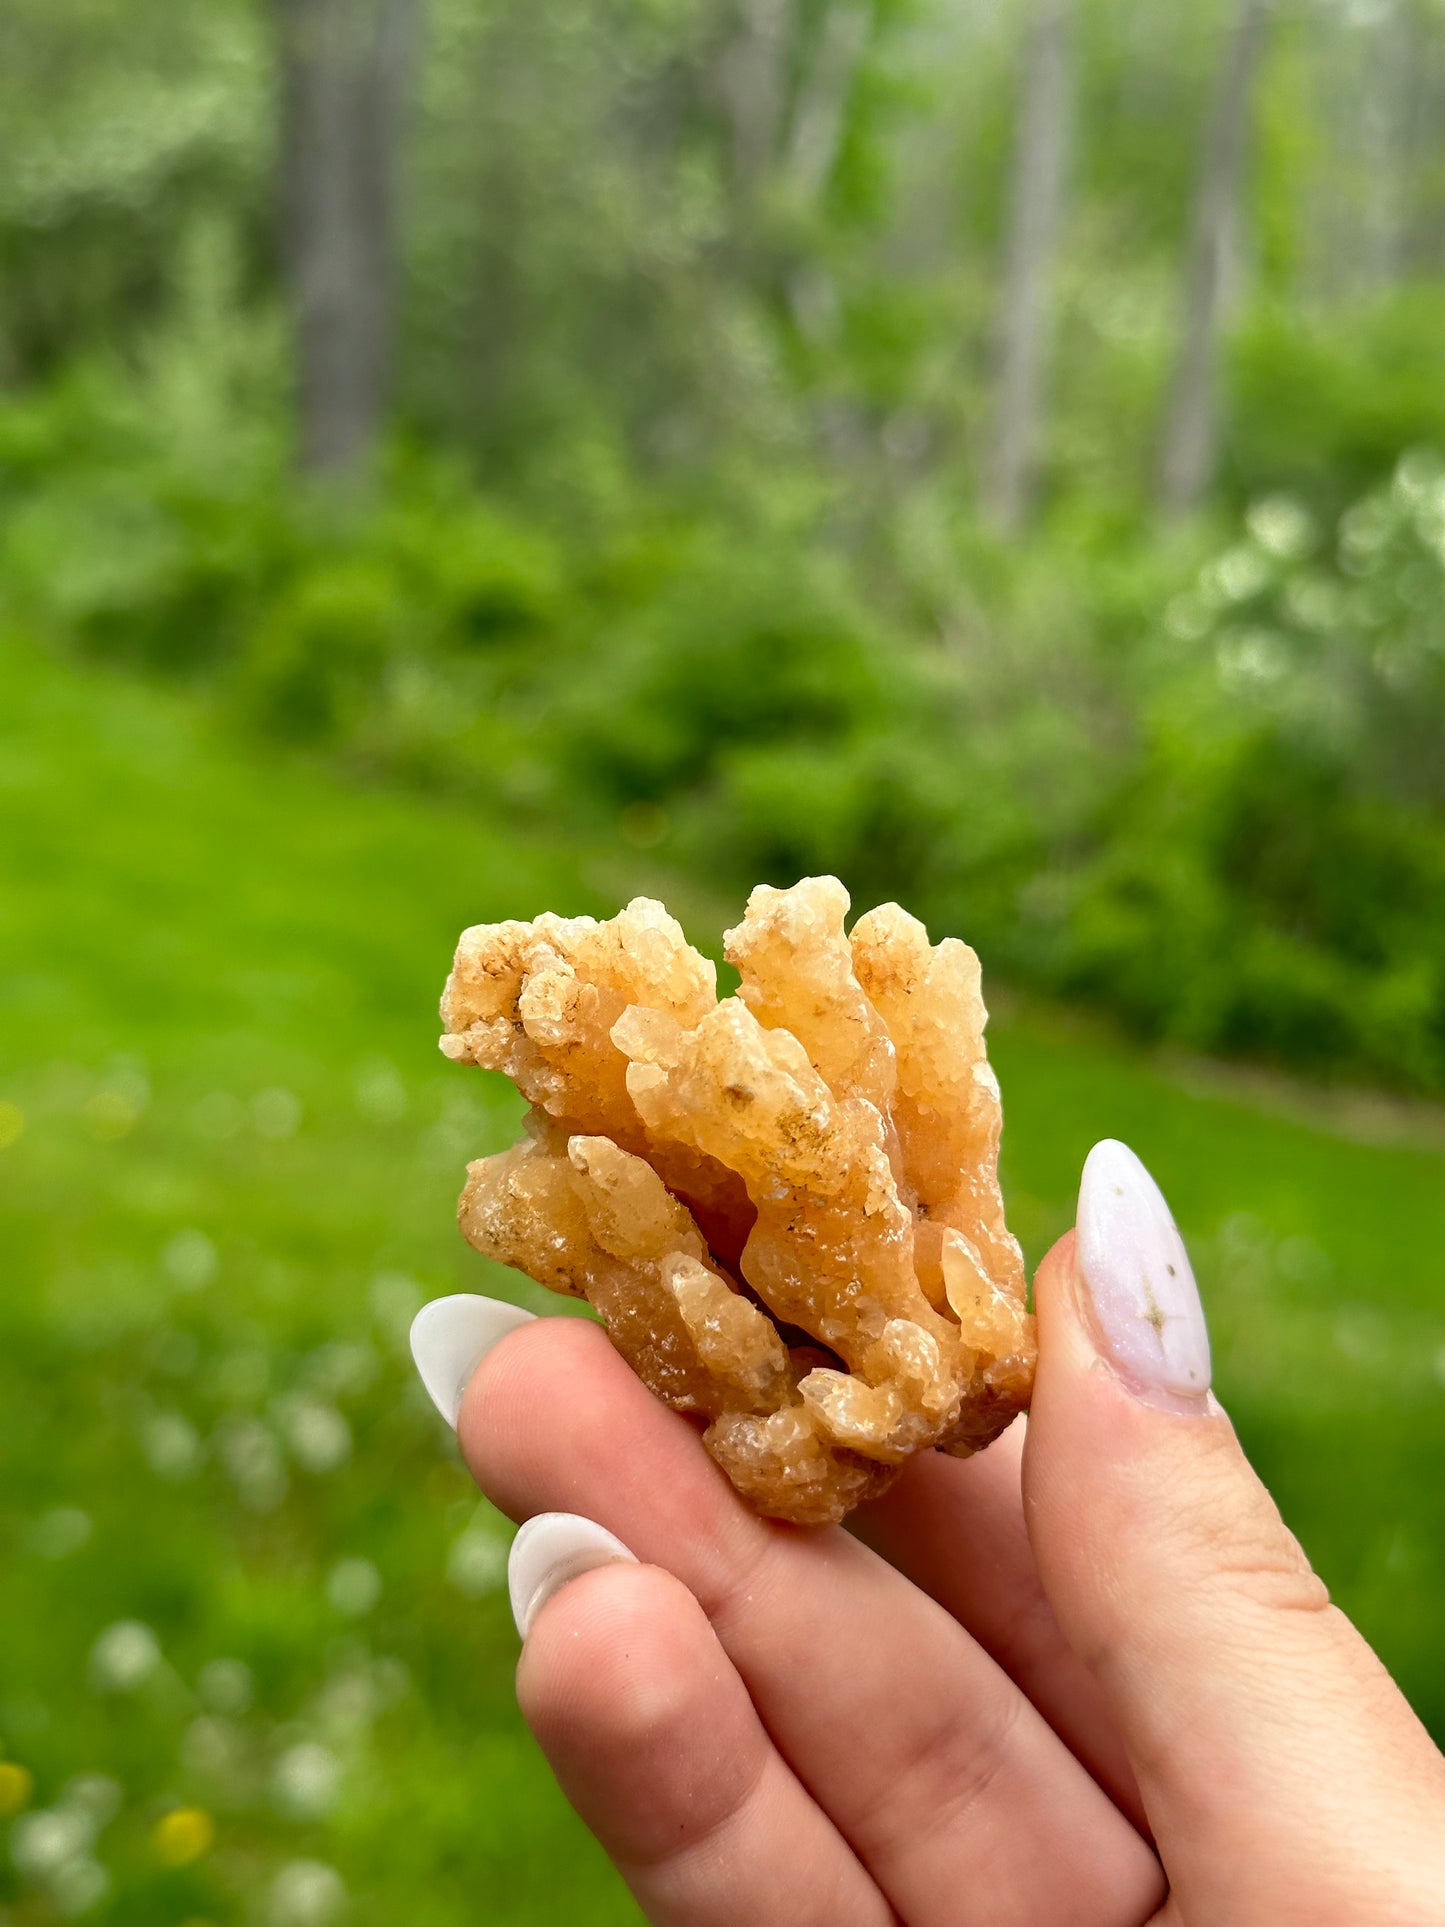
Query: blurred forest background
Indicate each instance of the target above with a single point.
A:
(993, 453)
(461, 456)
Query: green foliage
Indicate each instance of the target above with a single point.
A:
(120, 127)
(1325, 412)
(734, 649)
(1283, 837)
(1223, 823)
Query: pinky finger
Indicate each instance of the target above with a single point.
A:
(654, 1740)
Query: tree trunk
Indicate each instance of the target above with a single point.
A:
(1386, 99)
(344, 68)
(1188, 456)
(1035, 205)
(820, 110)
(753, 83)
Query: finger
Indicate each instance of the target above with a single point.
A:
(953, 1792)
(654, 1740)
(1268, 1740)
(955, 1527)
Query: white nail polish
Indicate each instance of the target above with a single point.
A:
(449, 1339)
(1133, 1264)
(551, 1549)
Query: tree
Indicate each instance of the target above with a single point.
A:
(820, 108)
(1191, 428)
(753, 85)
(344, 68)
(1035, 204)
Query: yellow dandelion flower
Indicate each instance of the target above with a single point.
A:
(17, 1784)
(182, 1836)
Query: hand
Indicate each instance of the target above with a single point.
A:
(1086, 1679)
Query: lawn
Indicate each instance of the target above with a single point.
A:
(255, 1654)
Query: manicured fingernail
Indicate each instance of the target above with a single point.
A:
(551, 1549)
(1137, 1274)
(449, 1339)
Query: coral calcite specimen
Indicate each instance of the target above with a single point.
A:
(784, 1204)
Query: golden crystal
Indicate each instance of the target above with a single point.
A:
(784, 1205)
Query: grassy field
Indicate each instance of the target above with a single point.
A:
(255, 1656)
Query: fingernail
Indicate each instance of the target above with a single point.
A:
(1137, 1274)
(548, 1551)
(449, 1339)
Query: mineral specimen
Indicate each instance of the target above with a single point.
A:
(784, 1205)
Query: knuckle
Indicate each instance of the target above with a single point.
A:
(951, 1766)
(516, 1372)
(732, 1584)
(1250, 1552)
(1029, 1640)
(621, 1672)
(604, 1666)
(1278, 1584)
(1204, 1523)
(540, 1359)
(686, 1817)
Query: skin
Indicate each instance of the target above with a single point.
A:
(1086, 1679)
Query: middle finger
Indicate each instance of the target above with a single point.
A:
(955, 1527)
(955, 1793)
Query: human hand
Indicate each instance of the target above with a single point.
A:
(1086, 1679)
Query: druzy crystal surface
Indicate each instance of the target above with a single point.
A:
(783, 1204)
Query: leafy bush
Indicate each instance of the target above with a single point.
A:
(1223, 822)
(1272, 876)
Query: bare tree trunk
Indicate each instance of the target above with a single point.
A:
(1425, 228)
(344, 68)
(815, 135)
(1385, 131)
(820, 110)
(1041, 154)
(1325, 230)
(1375, 86)
(1188, 455)
(753, 85)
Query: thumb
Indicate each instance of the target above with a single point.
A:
(1284, 1776)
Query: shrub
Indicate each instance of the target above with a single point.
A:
(1222, 822)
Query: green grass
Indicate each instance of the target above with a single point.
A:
(231, 1157)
